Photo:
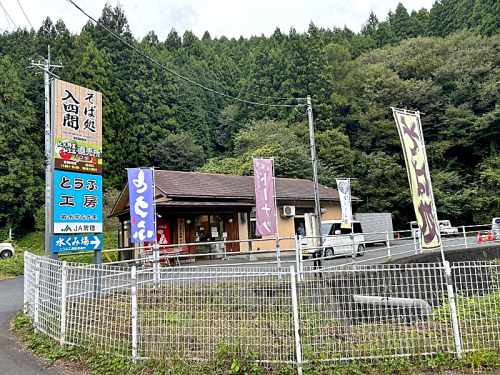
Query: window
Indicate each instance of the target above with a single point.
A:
(253, 226)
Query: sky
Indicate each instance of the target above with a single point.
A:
(230, 18)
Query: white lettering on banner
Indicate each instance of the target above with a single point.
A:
(139, 203)
(140, 183)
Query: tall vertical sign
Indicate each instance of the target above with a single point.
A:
(77, 159)
(412, 141)
(264, 197)
(344, 189)
(142, 210)
(77, 128)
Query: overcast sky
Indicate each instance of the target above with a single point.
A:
(231, 18)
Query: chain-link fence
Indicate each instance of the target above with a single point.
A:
(356, 311)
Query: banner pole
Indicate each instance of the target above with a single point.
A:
(278, 255)
(317, 209)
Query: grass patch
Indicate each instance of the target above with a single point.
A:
(232, 361)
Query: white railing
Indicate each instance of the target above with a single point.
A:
(353, 311)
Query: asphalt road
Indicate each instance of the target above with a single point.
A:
(14, 359)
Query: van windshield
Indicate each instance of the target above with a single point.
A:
(330, 229)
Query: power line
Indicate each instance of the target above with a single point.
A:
(25, 15)
(179, 75)
(7, 16)
(19, 107)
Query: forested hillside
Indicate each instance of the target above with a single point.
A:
(444, 62)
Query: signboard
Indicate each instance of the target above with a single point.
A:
(77, 202)
(412, 141)
(90, 242)
(77, 128)
(162, 235)
(142, 210)
(265, 223)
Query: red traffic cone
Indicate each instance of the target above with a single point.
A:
(489, 238)
(479, 237)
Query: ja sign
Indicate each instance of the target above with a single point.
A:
(77, 202)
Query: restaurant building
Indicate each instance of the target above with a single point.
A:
(209, 211)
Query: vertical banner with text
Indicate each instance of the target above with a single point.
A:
(344, 189)
(412, 141)
(264, 197)
(142, 210)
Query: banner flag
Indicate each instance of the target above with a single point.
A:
(142, 212)
(412, 141)
(264, 197)
(344, 188)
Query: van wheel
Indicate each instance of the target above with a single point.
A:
(328, 253)
(361, 250)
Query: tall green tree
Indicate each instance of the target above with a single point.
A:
(178, 152)
(21, 156)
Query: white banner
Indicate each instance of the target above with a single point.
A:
(344, 188)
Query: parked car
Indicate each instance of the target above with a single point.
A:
(495, 228)
(337, 240)
(446, 229)
(6, 250)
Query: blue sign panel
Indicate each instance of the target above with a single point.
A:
(77, 202)
(142, 212)
(87, 242)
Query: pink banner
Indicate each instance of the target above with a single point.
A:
(264, 197)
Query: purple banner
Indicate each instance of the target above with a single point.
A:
(264, 197)
(142, 213)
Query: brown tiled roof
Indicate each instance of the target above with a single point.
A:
(176, 184)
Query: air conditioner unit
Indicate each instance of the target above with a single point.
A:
(287, 211)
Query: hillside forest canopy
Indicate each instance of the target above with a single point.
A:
(443, 62)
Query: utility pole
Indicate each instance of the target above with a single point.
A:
(48, 150)
(317, 208)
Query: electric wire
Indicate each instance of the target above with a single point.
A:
(7, 16)
(25, 14)
(179, 75)
(18, 107)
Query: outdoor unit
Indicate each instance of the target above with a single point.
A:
(287, 211)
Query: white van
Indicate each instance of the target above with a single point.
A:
(337, 240)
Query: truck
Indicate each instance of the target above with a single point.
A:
(375, 226)
(445, 228)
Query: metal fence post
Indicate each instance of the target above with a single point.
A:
(64, 283)
(133, 292)
(37, 295)
(465, 237)
(296, 324)
(388, 243)
(156, 263)
(453, 309)
(298, 257)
